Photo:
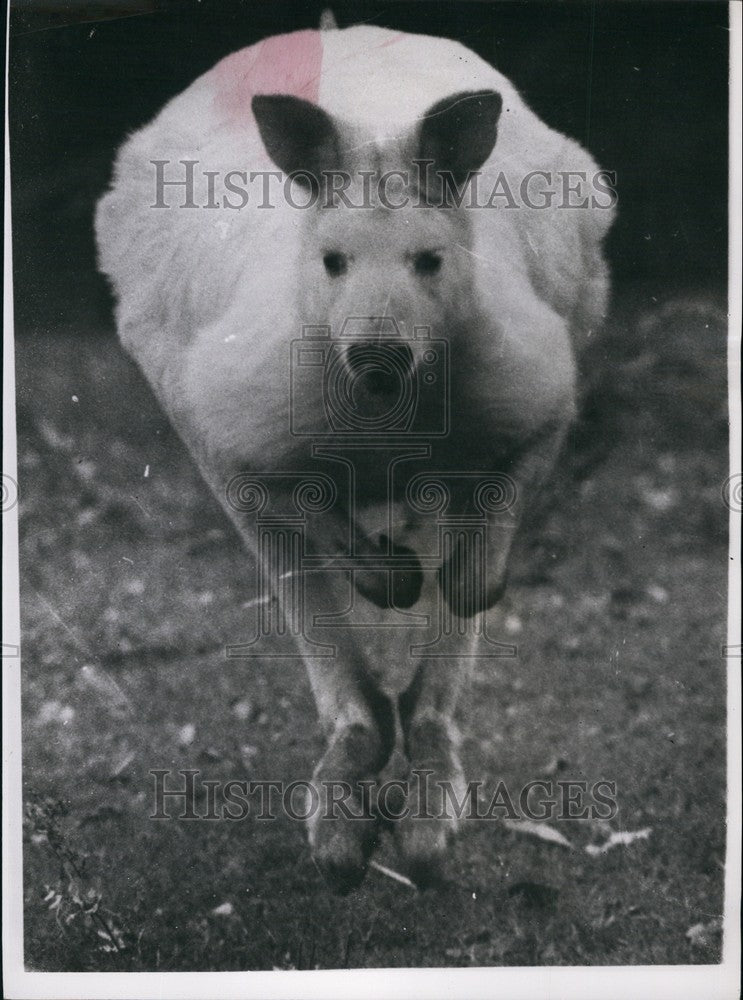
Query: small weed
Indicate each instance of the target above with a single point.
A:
(74, 902)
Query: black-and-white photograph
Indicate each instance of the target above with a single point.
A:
(372, 377)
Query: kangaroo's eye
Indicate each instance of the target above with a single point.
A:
(427, 262)
(335, 263)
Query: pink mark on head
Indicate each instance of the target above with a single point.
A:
(283, 64)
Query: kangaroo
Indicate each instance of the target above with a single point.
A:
(337, 256)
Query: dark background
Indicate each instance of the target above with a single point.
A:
(642, 85)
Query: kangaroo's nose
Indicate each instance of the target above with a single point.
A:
(379, 368)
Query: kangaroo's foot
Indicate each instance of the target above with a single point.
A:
(436, 784)
(342, 828)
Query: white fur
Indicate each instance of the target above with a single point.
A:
(204, 296)
(210, 299)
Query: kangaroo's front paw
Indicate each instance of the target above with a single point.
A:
(466, 590)
(436, 788)
(342, 828)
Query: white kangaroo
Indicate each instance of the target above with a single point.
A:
(466, 234)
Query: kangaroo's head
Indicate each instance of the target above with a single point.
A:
(383, 238)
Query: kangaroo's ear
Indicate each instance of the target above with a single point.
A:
(297, 135)
(459, 133)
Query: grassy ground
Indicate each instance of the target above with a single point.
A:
(132, 584)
